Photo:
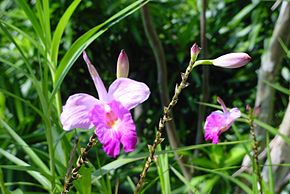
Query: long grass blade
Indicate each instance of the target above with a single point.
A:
(60, 29)
(33, 156)
(32, 17)
(36, 175)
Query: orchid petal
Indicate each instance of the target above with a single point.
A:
(218, 122)
(128, 92)
(114, 125)
(232, 115)
(221, 102)
(213, 125)
(75, 112)
(102, 92)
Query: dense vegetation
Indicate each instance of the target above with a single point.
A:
(41, 65)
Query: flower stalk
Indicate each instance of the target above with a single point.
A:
(255, 148)
(74, 173)
(165, 118)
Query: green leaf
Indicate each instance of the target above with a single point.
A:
(60, 29)
(238, 18)
(163, 172)
(115, 165)
(38, 162)
(2, 184)
(226, 176)
(36, 175)
(123, 161)
(278, 87)
(272, 130)
(27, 36)
(32, 17)
(183, 179)
(83, 184)
(235, 155)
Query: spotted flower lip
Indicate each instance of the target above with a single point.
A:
(219, 121)
(110, 114)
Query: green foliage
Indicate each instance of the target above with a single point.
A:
(40, 46)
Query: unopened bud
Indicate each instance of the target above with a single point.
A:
(122, 65)
(194, 51)
(232, 60)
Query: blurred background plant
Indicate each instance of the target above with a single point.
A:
(40, 45)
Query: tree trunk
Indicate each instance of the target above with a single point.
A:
(271, 60)
(280, 152)
(270, 64)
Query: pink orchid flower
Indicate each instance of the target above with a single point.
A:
(110, 114)
(218, 122)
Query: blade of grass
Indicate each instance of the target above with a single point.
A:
(60, 29)
(22, 100)
(123, 161)
(10, 37)
(23, 183)
(183, 179)
(269, 159)
(163, 172)
(278, 87)
(230, 178)
(131, 184)
(38, 162)
(36, 175)
(32, 17)
(46, 20)
(2, 184)
(24, 34)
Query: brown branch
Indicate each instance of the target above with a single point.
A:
(163, 120)
(74, 173)
(159, 55)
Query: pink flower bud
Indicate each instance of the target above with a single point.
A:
(232, 60)
(122, 65)
(194, 51)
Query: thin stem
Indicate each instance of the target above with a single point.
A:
(165, 118)
(159, 55)
(256, 153)
(74, 173)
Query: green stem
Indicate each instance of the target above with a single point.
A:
(256, 153)
(2, 185)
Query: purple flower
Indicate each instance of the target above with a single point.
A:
(232, 60)
(218, 122)
(110, 114)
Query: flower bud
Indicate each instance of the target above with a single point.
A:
(122, 65)
(232, 60)
(194, 51)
